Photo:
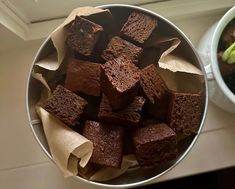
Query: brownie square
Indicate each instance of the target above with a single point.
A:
(119, 82)
(83, 35)
(118, 47)
(154, 144)
(83, 76)
(156, 90)
(138, 27)
(184, 116)
(129, 116)
(65, 105)
(107, 142)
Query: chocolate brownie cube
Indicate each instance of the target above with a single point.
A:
(83, 35)
(129, 116)
(107, 142)
(156, 90)
(154, 144)
(118, 47)
(138, 27)
(83, 76)
(119, 82)
(65, 105)
(184, 116)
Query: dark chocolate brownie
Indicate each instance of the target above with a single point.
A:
(184, 116)
(154, 144)
(119, 82)
(129, 116)
(83, 76)
(156, 90)
(65, 105)
(83, 35)
(107, 141)
(138, 27)
(119, 47)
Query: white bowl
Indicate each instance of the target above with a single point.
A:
(219, 93)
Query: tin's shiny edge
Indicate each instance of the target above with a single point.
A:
(27, 96)
(140, 183)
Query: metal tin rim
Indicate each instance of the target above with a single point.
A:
(189, 147)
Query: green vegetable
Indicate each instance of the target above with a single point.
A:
(229, 54)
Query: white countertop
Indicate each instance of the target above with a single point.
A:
(24, 165)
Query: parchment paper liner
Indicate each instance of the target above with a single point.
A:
(68, 147)
(61, 146)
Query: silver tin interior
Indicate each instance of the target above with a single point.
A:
(135, 176)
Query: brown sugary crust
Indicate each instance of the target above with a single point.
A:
(83, 76)
(154, 144)
(65, 105)
(107, 142)
(184, 115)
(118, 47)
(82, 35)
(119, 82)
(138, 27)
(130, 116)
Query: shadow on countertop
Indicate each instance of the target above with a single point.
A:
(221, 179)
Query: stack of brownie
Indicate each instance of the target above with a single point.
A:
(120, 102)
